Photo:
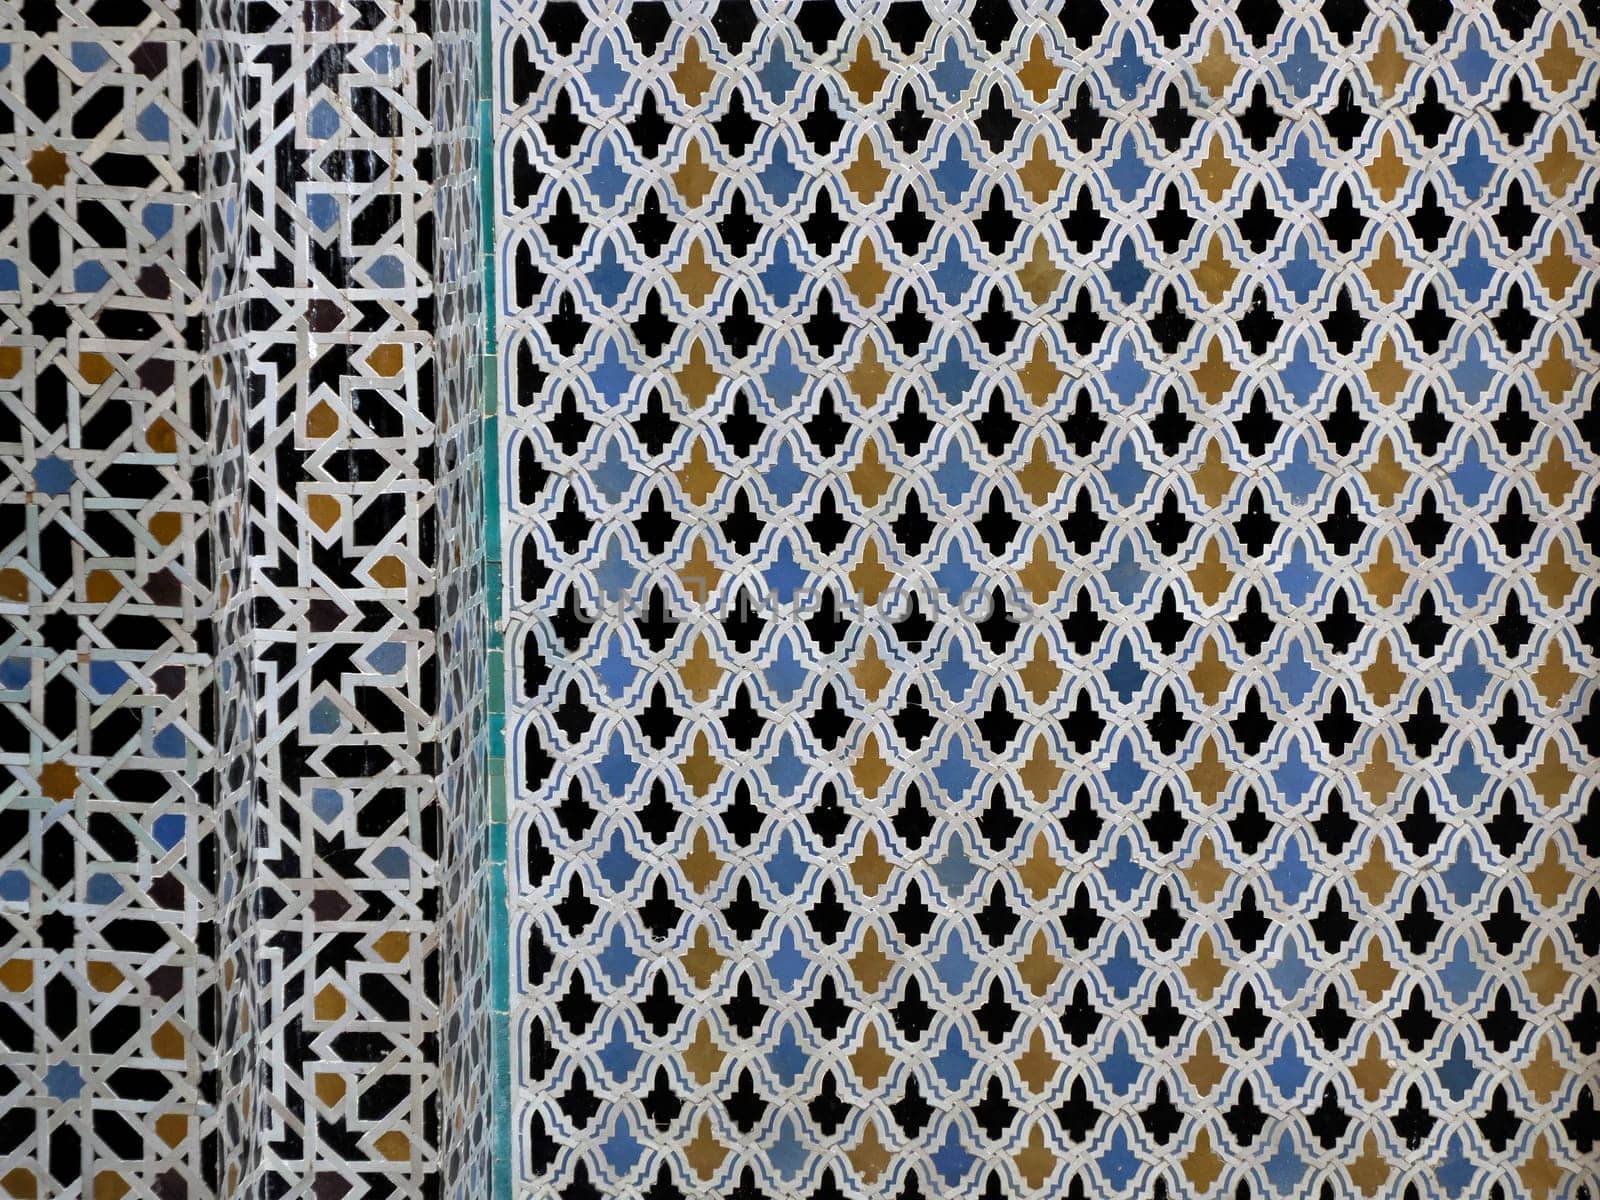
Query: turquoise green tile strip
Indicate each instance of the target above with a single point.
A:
(499, 934)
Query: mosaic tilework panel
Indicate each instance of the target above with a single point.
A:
(242, 842)
(108, 852)
(344, 280)
(1051, 630)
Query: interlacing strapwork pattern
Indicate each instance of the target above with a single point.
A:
(108, 844)
(1051, 625)
(242, 835)
(345, 279)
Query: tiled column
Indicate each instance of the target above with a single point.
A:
(354, 308)
(242, 845)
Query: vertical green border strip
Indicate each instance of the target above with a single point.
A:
(499, 930)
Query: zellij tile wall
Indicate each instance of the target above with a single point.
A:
(1049, 602)
(944, 598)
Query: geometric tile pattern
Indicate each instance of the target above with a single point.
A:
(242, 853)
(108, 850)
(1051, 627)
(345, 297)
